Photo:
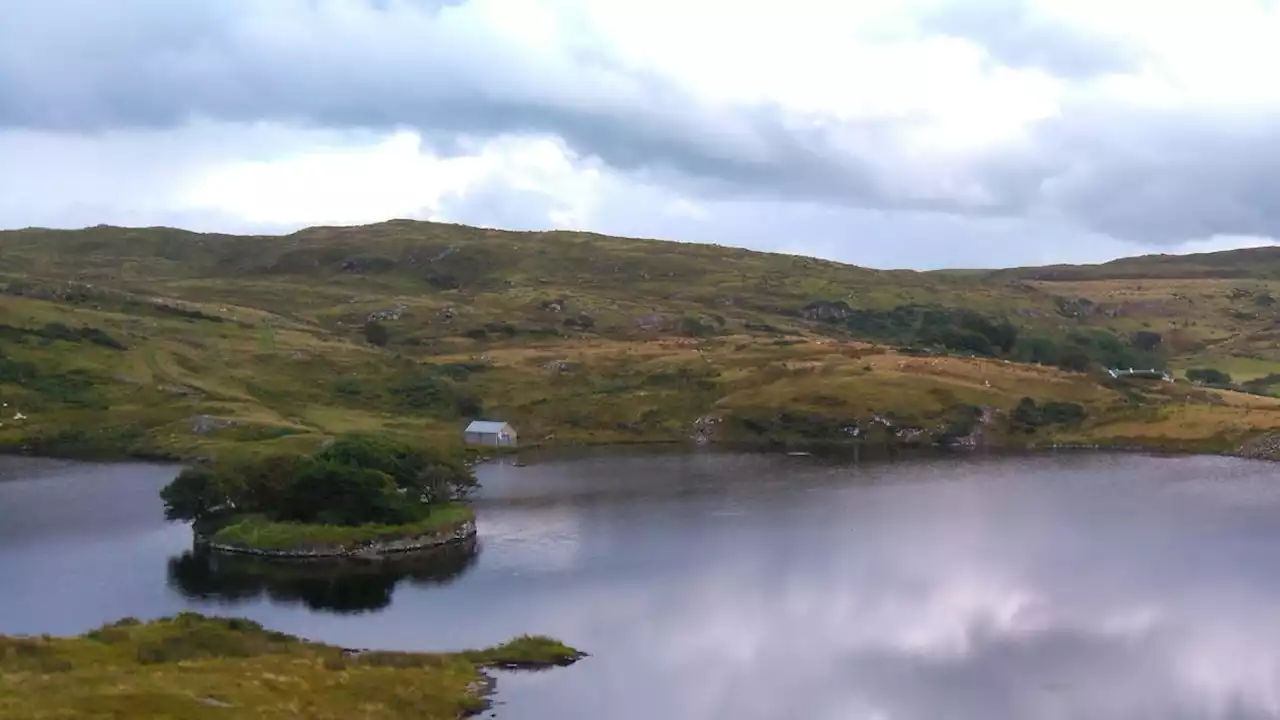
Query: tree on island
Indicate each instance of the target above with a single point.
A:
(355, 480)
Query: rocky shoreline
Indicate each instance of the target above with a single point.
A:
(462, 532)
(1264, 447)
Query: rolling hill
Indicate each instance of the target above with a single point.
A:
(157, 341)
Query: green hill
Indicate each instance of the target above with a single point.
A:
(162, 341)
(1261, 263)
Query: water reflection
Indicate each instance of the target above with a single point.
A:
(1108, 588)
(709, 586)
(347, 586)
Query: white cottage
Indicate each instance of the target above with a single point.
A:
(490, 432)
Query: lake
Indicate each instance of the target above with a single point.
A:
(723, 585)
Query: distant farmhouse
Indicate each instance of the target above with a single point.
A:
(490, 432)
(1140, 374)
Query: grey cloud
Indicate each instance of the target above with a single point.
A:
(130, 178)
(136, 179)
(918, 240)
(431, 70)
(1012, 35)
(1159, 178)
(429, 65)
(499, 206)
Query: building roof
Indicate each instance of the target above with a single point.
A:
(486, 426)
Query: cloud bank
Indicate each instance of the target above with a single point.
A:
(921, 133)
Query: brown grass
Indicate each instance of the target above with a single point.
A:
(196, 667)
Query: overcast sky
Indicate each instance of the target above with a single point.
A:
(888, 133)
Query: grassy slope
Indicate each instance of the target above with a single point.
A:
(287, 366)
(1212, 307)
(195, 667)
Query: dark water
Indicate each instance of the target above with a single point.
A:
(752, 587)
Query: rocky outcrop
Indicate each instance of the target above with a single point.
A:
(391, 313)
(558, 366)
(976, 437)
(1266, 447)
(1075, 307)
(365, 551)
(583, 321)
(652, 322)
(205, 424)
(704, 429)
(362, 265)
(824, 310)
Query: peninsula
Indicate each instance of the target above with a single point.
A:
(192, 666)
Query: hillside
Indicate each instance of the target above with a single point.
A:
(162, 341)
(1214, 309)
(1260, 263)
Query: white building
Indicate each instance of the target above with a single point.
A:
(490, 432)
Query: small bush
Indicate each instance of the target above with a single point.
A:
(58, 331)
(1062, 413)
(1262, 386)
(437, 395)
(191, 636)
(1146, 341)
(1027, 416)
(185, 313)
(348, 386)
(375, 333)
(526, 651)
(109, 635)
(1209, 376)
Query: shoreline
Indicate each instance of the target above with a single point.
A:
(1264, 447)
(373, 551)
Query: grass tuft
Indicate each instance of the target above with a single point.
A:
(527, 651)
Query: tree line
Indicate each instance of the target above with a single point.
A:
(931, 328)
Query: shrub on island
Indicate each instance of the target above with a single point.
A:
(357, 481)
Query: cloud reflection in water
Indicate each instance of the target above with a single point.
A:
(1072, 587)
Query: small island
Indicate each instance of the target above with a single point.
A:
(357, 497)
(193, 666)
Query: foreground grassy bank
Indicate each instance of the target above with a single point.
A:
(196, 667)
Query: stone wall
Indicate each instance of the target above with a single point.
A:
(373, 550)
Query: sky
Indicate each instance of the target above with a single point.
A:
(884, 133)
